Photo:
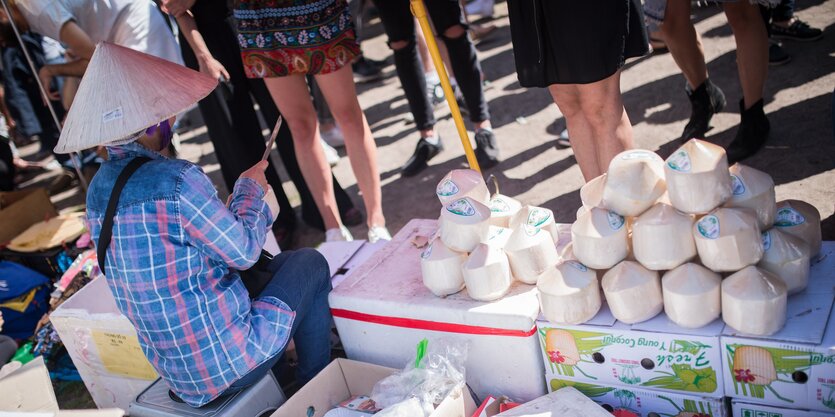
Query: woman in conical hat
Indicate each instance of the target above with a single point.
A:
(176, 248)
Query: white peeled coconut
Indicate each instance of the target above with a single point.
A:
(662, 238)
(591, 193)
(633, 292)
(599, 238)
(728, 239)
(540, 217)
(801, 219)
(634, 182)
(530, 251)
(460, 183)
(753, 189)
(754, 301)
(502, 209)
(464, 224)
(569, 293)
(697, 177)
(487, 273)
(498, 236)
(788, 257)
(692, 295)
(441, 269)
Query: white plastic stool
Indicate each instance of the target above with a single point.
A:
(260, 399)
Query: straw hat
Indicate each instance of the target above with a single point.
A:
(123, 92)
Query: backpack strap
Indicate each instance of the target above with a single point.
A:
(107, 224)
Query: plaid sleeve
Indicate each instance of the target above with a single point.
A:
(233, 235)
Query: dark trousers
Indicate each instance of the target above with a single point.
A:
(7, 168)
(399, 25)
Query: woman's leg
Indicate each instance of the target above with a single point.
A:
(751, 48)
(341, 95)
(292, 97)
(567, 98)
(684, 42)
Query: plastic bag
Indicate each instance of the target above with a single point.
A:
(437, 370)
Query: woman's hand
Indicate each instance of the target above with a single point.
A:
(45, 74)
(256, 173)
(214, 68)
(176, 7)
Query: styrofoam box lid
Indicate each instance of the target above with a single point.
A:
(93, 298)
(390, 280)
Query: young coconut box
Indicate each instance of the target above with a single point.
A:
(741, 409)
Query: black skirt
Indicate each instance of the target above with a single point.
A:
(574, 41)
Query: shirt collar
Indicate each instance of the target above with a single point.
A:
(131, 150)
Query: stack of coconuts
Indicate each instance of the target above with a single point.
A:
(662, 235)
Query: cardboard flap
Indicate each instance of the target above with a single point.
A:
(21, 209)
(566, 402)
(338, 253)
(28, 389)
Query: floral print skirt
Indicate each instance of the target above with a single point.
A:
(285, 37)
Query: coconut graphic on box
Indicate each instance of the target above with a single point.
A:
(487, 273)
(561, 347)
(801, 219)
(753, 189)
(569, 293)
(692, 295)
(539, 217)
(460, 183)
(591, 193)
(634, 182)
(754, 301)
(464, 224)
(697, 177)
(662, 238)
(599, 238)
(531, 251)
(633, 292)
(754, 365)
(441, 269)
(728, 239)
(788, 257)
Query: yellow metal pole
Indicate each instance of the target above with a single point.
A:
(419, 10)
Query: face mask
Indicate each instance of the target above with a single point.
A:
(165, 133)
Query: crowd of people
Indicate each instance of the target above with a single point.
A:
(298, 61)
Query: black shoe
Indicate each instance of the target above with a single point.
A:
(365, 71)
(424, 151)
(777, 55)
(752, 133)
(487, 151)
(377, 63)
(797, 31)
(705, 101)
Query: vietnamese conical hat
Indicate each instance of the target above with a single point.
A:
(123, 92)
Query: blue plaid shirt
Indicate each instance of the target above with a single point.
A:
(171, 267)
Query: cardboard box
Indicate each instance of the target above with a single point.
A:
(644, 403)
(794, 367)
(741, 409)
(565, 402)
(103, 346)
(21, 209)
(344, 378)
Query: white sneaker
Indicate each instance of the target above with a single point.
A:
(330, 153)
(376, 233)
(562, 140)
(482, 8)
(340, 234)
(333, 137)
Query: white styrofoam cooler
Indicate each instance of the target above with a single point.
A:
(382, 310)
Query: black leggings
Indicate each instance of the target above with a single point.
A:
(399, 25)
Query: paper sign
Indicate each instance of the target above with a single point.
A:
(121, 355)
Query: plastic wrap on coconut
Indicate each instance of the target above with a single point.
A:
(540, 217)
(530, 251)
(728, 239)
(634, 182)
(697, 177)
(801, 219)
(502, 209)
(633, 292)
(464, 224)
(788, 257)
(441, 269)
(753, 189)
(487, 273)
(662, 238)
(599, 238)
(460, 183)
(754, 301)
(569, 293)
(591, 193)
(692, 295)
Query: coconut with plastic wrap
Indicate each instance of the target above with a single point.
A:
(441, 269)
(530, 251)
(599, 238)
(464, 224)
(591, 193)
(569, 293)
(633, 292)
(634, 182)
(662, 238)
(753, 189)
(502, 209)
(697, 177)
(692, 295)
(728, 239)
(788, 257)
(801, 219)
(460, 183)
(487, 273)
(540, 217)
(754, 301)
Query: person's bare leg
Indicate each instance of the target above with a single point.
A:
(751, 48)
(684, 43)
(423, 50)
(292, 97)
(602, 105)
(566, 96)
(341, 95)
